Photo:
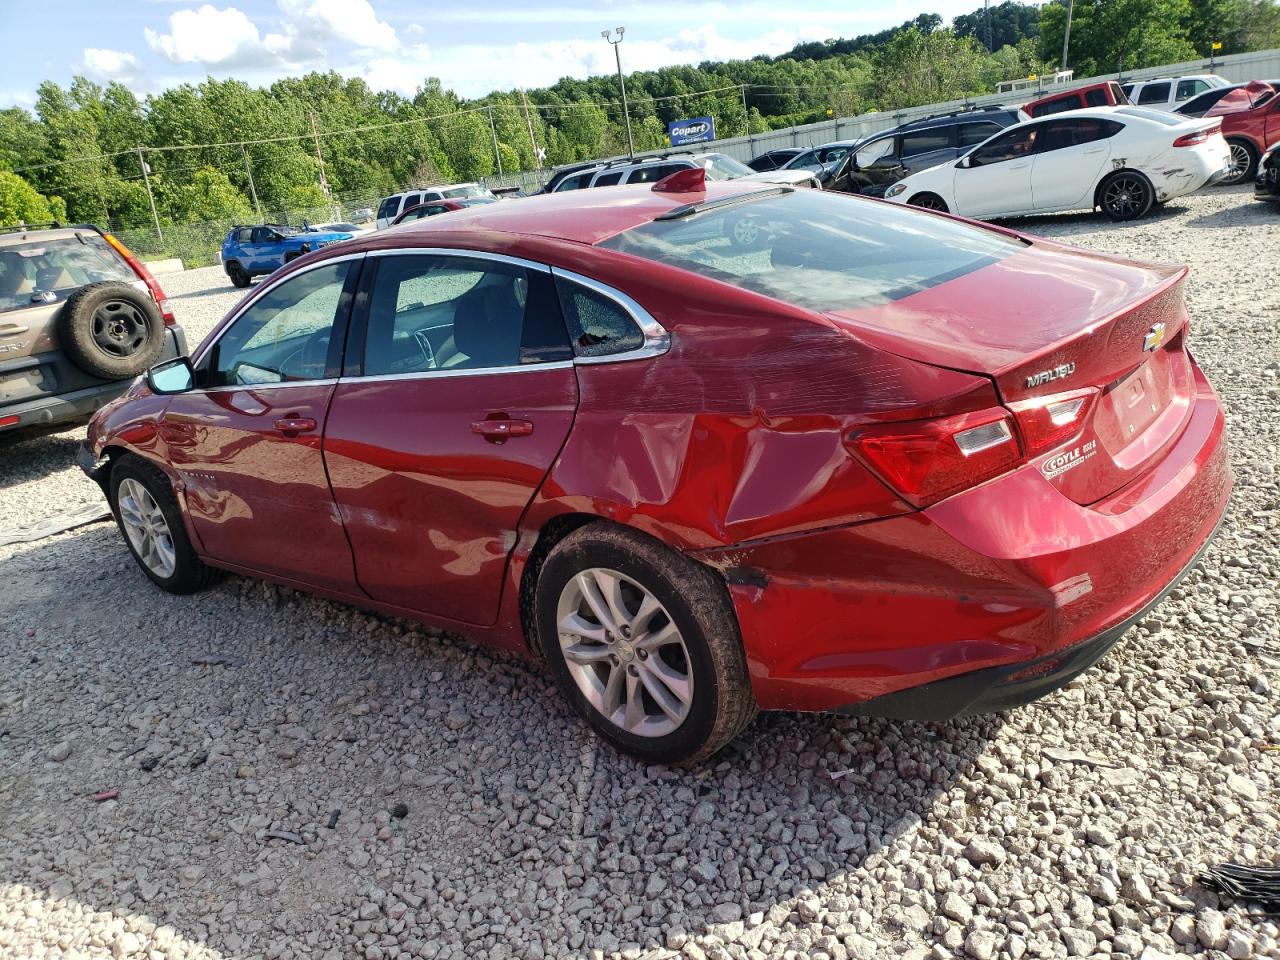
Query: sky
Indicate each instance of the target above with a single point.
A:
(473, 46)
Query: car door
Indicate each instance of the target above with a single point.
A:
(246, 441)
(877, 164)
(263, 251)
(441, 431)
(1069, 159)
(922, 149)
(995, 179)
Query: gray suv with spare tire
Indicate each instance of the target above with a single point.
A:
(80, 317)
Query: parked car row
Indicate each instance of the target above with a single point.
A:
(698, 470)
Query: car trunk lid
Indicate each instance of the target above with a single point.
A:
(1052, 321)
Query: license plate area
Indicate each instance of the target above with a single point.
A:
(1136, 412)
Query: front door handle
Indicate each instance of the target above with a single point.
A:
(499, 430)
(1096, 150)
(292, 426)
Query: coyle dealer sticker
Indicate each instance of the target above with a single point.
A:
(1059, 464)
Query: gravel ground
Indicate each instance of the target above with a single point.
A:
(300, 779)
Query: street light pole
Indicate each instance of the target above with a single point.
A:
(1066, 36)
(608, 35)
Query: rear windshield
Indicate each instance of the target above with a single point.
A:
(818, 250)
(470, 190)
(46, 271)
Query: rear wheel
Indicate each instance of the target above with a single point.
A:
(1243, 162)
(149, 517)
(1126, 195)
(928, 201)
(238, 274)
(111, 330)
(644, 643)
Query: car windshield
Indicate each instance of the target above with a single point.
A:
(819, 250)
(470, 190)
(1159, 116)
(46, 271)
(721, 167)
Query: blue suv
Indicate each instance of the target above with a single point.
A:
(250, 252)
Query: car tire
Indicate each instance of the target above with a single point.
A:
(1244, 162)
(666, 680)
(929, 201)
(111, 330)
(1125, 195)
(150, 521)
(238, 274)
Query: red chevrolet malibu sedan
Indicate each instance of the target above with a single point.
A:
(875, 460)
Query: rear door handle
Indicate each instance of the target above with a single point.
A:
(1096, 150)
(292, 426)
(498, 431)
(1018, 166)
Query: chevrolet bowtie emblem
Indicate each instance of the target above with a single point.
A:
(1154, 337)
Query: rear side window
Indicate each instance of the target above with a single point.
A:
(1096, 98)
(972, 134)
(1072, 102)
(388, 207)
(926, 141)
(1189, 88)
(655, 173)
(1074, 132)
(1154, 93)
(597, 325)
(43, 272)
(411, 200)
(576, 182)
(1128, 90)
(608, 179)
(820, 251)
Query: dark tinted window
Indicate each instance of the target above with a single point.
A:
(925, 141)
(1062, 105)
(972, 134)
(654, 173)
(244, 234)
(411, 200)
(56, 266)
(388, 207)
(608, 179)
(1010, 146)
(286, 335)
(1197, 106)
(597, 325)
(1128, 89)
(1058, 134)
(576, 182)
(1095, 98)
(262, 235)
(1154, 93)
(819, 250)
(430, 312)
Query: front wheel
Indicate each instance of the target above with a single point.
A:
(644, 643)
(1126, 195)
(238, 274)
(928, 201)
(1242, 164)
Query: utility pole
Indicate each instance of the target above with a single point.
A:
(746, 116)
(315, 135)
(529, 123)
(497, 155)
(986, 11)
(253, 190)
(1066, 36)
(626, 114)
(146, 178)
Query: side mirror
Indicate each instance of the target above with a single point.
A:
(965, 163)
(171, 376)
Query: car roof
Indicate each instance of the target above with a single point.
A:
(13, 237)
(581, 216)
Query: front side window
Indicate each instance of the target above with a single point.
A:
(286, 334)
(263, 235)
(1128, 90)
(1189, 88)
(654, 173)
(56, 268)
(1062, 105)
(721, 167)
(972, 134)
(411, 200)
(820, 250)
(576, 182)
(388, 208)
(876, 150)
(925, 141)
(609, 179)
(597, 325)
(1153, 93)
(1010, 146)
(429, 312)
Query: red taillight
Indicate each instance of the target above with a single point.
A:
(1048, 422)
(927, 460)
(9, 420)
(1200, 136)
(138, 267)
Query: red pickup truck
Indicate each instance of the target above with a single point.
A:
(1106, 93)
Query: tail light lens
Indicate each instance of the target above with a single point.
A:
(139, 268)
(1200, 136)
(927, 460)
(1048, 422)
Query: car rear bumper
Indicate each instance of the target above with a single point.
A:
(65, 405)
(1010, 576)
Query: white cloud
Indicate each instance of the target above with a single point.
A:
(101, 64)
(347, 21)
(212, 36)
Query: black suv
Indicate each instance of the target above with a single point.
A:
(885, 158)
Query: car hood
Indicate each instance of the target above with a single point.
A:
(325, 236)
(782, 176)
(1041, 307)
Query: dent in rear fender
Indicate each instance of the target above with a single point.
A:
(744, 436)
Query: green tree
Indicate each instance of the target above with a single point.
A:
(20, 203)
(1112, 36)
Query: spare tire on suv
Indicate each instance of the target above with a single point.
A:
(111, 330)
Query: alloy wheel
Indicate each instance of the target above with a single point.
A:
(624, 652)
(1125, 196)
(119, 328)
(929, 201)
(1238, 164)
(147, 529)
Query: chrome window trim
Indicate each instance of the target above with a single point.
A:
(254, 387)
(657, 340)
(253, 297)
(459, 252)
(465, 372)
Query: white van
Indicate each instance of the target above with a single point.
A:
(397, 203)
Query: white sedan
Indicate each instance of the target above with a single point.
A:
(1122, 159)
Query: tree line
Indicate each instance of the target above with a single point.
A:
(75, 157)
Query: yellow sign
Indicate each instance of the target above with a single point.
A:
(1032, 77)
(1217, 45)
